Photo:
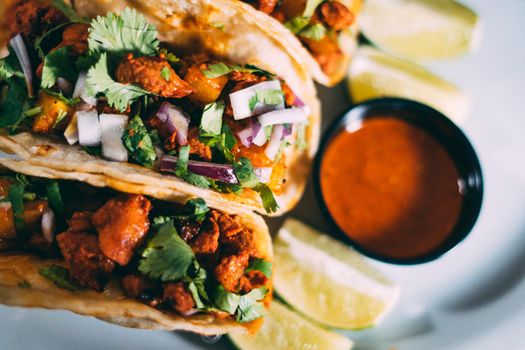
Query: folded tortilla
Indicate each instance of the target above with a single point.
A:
(187, 26)
(22, 285)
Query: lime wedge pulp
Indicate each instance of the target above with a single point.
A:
(421, 29)
(375, 74)
(327, 281)
(283, 329)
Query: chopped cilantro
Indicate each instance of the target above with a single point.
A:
(10, 66)
(314, 32)
(60, 276)
(216, 70)
(60, 117)
(155, 138)
(93, 150)
(13, 102)
(119, 95)
(268, 97)
(267, 198)
(124, 33)
(261, 265)
(166, 257)
(244, 172)
(217, 25)
(16, 197)
(35, 111)
(165, 73)
(58, 64)
(247, 307)
(195, 208)
(55, 198)
(183, 172)
(296, 24)
(211, 121)
(301, 143)
(24, 284)
(138, 143)
(311, 6)
(169, 56)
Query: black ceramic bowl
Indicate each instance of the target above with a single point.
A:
(447, 134)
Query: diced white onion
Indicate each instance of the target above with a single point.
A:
(284, 116)
(263, 174)
(89, 133)
(71, 132)
(48, 225)
(240, 100)
(260, 138)
(112, 127)
(275, 142)
(81, 91)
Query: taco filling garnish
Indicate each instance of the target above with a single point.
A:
(110, 86)
(317, 23)
(180, 259)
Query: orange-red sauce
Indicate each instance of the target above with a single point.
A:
(391, 187)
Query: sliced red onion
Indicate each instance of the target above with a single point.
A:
(240, 100)
(220, 172)
(48, 225)
(65, 86)
(89, 133)
(284, 116)
(263, 174)
(81, 90)
(175, 120)
(287, 130)
(246, 136)
(112, 128)
(275, 142)
(297, 101)
(71, 132)
(17, 43)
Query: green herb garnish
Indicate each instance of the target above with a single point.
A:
(211, 121)
(165, 73)
(138, 142)
(16, 197)
(261, 265)
(58, 64)
(313, 31)
(60, 276)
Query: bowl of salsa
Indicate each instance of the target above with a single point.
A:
(398, 180)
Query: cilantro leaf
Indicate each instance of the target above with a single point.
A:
(196, 208)
(313, 31)
(13, 102)
(16, 197)
(196, 280)
(124, 33)
(60, 276)
(267, 198)
(244, 171)
(296, 24)
(261, 265)
(217, 25)
(301, 143)
(57, 64)
(211, 121)
(10, 66)
(165, 73)
(311, 6)
(249, 306)
(55, 198)
(226, 301)
(118, 95)
(216, 70)
(138, 143)
(166, 257)
(268, 97)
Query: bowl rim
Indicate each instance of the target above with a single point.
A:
(363, 111)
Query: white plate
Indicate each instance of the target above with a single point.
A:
(472, 298)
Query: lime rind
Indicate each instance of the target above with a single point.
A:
(327, 281)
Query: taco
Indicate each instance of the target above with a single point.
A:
(131, 259)
(186, 106)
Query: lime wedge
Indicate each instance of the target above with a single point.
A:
(421, 29)
(375, 74)
(283, 329)
(328, 281)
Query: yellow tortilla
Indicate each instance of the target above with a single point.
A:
(187, 25)
(112, 305)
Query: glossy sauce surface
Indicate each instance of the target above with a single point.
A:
(391, 187)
